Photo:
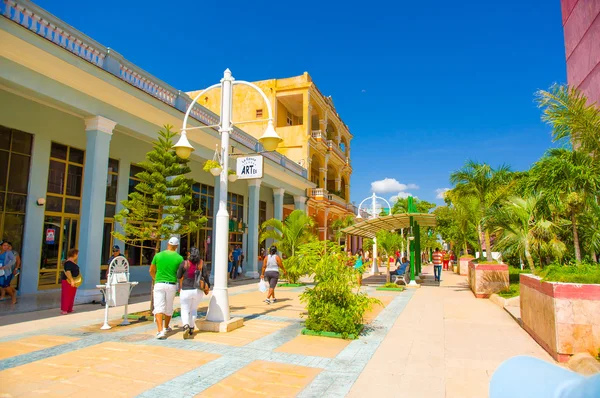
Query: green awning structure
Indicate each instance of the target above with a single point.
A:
(369, 228)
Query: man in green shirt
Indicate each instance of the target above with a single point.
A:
(163, 271)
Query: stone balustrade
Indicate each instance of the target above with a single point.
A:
(46, 25)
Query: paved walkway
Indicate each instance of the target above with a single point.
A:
(445, 343)
(429, 342)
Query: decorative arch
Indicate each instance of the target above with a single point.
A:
(344, 146)
(332, 174)
(315, 166)
(331, 131)
(344, 187)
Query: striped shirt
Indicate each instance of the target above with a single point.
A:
(437, 258)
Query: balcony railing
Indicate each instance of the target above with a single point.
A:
(46, 25)
(336, 149)
(317, 134)
(317, 193)
(336, 199)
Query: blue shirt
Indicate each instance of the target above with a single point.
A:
(236, 254)
(7, 259)
(402, 269)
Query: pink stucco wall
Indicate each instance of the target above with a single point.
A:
(581, 23)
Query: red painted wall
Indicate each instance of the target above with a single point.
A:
(581, 23)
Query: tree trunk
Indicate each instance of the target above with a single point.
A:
(488, 246)
(480, 242)
(466, 248)
(575, 238)
(529, 258)
(594, 257)
(387, 274)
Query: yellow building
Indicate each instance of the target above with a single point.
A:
(313, 133)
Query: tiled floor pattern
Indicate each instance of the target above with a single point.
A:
(107, 369)
(271, 340)
(26, 345)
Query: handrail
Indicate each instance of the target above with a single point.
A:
(48, 26)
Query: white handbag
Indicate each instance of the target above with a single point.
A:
(262, 286)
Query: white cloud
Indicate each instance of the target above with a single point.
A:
(441, 192)
(388, 185)
(402, 195)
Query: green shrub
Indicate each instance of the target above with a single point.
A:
(571, 273)
(211, 164)
(514, 290)
(332, 304)
(391, 285)
(513, 273)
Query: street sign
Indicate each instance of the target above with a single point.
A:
(249, 167)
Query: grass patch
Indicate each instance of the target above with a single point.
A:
(513, 274)
(334, 335)
(571, 273)
(290, 284)
(391, 287)
(514, 290)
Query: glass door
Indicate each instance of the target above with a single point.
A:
(60, 235)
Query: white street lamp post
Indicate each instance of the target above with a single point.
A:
(218, 309)
(374, 198)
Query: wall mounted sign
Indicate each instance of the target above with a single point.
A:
(50, 236)
(249, 167)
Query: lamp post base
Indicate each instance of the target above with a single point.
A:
(413, 285)
(221, 327)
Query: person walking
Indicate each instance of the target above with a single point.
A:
(270, 273)
(163, 272)
(437, 264)
(445, 260)
(398, 258)
(236, 262)
(230, 263)
(8, 267)
(359, 266)
(70, 280)
(193, 285)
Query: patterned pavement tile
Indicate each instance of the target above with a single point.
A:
(26, 345)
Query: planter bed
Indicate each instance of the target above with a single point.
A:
(486, 279)
(391, 289)
(290, 285)
(334, 335)
(564, 318)
(463, 265)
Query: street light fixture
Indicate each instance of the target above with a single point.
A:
(373, 214)
(218, 308)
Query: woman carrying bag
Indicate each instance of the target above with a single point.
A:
(270, 272)
(71, 280)
(193, 284)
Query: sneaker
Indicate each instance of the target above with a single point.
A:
(273, 301)
(168, 329)
(186, 332)
(268, 301)
(161, 335)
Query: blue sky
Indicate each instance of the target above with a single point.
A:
(423, 85)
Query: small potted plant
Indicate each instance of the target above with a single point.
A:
(232, 175)
(213, 167)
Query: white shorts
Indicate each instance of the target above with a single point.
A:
(164, 294)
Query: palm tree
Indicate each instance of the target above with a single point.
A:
(466, 218)
(388, 242)
(590, 233)
(339, 224)
(486, 184)
(294, 231)
(572, 117)
(568, 179)
(520, 229)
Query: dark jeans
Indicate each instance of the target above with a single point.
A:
(234, 270)
(437, 272)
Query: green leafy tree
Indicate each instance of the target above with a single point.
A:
(590, 232)
(335, 304)
(339, 224)
(289, 235)
(572, 117)
(387, 244)
(487, 185)
(567, 179)
(160, 205)
(401, 206)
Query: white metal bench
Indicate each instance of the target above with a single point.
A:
(117, 289)
(405, 278)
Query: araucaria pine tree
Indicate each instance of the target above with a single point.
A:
(160, 205)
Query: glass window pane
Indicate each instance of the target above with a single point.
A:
(54, 203)
(2, 201)
(4, 138)
(133, 255)
(113, 165)
(204, 189)
(135, 170)
(16, 203)
(132, 184)
(58, 151)
(72, 206)
(73, 236)
(13, 230)
(147, 253)
(3, 169)
(76, 155)
(50, 243)
(211, 191)
(21, 142)
(106, 243)
(111, 188)
(74, 180)
(56, 177)
(110, 210)
(19, 173)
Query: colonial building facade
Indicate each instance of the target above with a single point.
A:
(76, 118)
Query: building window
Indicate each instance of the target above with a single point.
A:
(110, 209)
(15, 158)
(259, 113)
(289, 119)
(63, 204)
(142, 253)
(203, 199)
(262, 217)
(235, 208)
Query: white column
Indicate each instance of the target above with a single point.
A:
(99, 132)
(278, 203)
(300, 202)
